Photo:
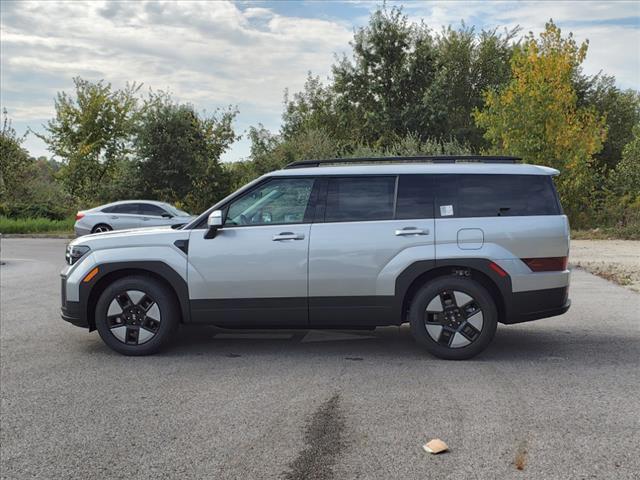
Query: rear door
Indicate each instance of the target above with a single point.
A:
(369, 228)
(123, 216)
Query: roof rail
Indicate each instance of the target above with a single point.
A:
(417, 159)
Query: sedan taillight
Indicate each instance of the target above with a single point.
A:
(79, 215)
(547, 264)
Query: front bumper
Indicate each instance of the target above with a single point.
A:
(71, 311)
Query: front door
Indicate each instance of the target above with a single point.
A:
(153, 216)
(254, 272)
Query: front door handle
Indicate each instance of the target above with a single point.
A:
(287, 236)
(412, 231)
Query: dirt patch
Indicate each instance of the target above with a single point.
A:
(323, 442)
(614, 260)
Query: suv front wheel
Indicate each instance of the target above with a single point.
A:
(454, 318)
(136, 315)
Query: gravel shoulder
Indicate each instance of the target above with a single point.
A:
(614, 260)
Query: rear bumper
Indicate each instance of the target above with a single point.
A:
(81, 230)
(537, 304)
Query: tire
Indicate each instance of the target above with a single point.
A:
(136, 315)
(101, 227)
(453, 318)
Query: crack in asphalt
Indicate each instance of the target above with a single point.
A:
(323, 438)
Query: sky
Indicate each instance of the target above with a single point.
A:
(245, 54)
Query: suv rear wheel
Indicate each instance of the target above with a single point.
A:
(454, 318)
(136, 315)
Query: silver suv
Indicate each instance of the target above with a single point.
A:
(450, 245)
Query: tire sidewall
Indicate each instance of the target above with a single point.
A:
(161, 295)
(468, 286)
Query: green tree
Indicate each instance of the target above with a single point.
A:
(621, 108)
(91, 133)
(179, 152)
(14, 161)
(536, 116)
(468, 65)
(403, 80)
(27, 185)
(379, 90)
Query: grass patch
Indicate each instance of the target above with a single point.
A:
(35, 225)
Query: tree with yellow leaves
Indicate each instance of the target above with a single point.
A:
(535, 116)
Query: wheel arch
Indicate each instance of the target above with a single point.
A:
(419, 273)
(110, 272)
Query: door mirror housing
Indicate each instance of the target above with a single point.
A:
(214, 222)
(167, 215)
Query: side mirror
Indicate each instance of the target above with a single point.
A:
(167, 215)
(214, 222)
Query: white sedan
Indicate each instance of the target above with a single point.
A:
(129, 214)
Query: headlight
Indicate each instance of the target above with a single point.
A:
(75, 253)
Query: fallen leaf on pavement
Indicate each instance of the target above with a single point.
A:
(435, 446)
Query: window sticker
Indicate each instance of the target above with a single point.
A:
(446, 210)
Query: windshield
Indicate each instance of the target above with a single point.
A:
(174, 211)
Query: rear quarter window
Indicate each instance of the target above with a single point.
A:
(496, 195)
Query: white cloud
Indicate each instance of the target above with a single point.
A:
(218, 53)
(209, 53)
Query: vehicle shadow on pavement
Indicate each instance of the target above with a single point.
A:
(511, 344)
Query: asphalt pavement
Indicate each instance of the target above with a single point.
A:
(559, 398)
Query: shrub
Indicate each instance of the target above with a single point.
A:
(35, 225)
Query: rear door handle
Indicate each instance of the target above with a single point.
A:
(412, 231)
(287, 236)
(114, 217)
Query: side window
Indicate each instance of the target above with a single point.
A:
(415, 197)
(150, 209)
(496, 195)
(352, 199)
(279, 201)
(130, 208)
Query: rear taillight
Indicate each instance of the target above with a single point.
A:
(79, 215)
(547, 264)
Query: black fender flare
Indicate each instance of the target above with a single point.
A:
(451, 266)
(159, 269)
